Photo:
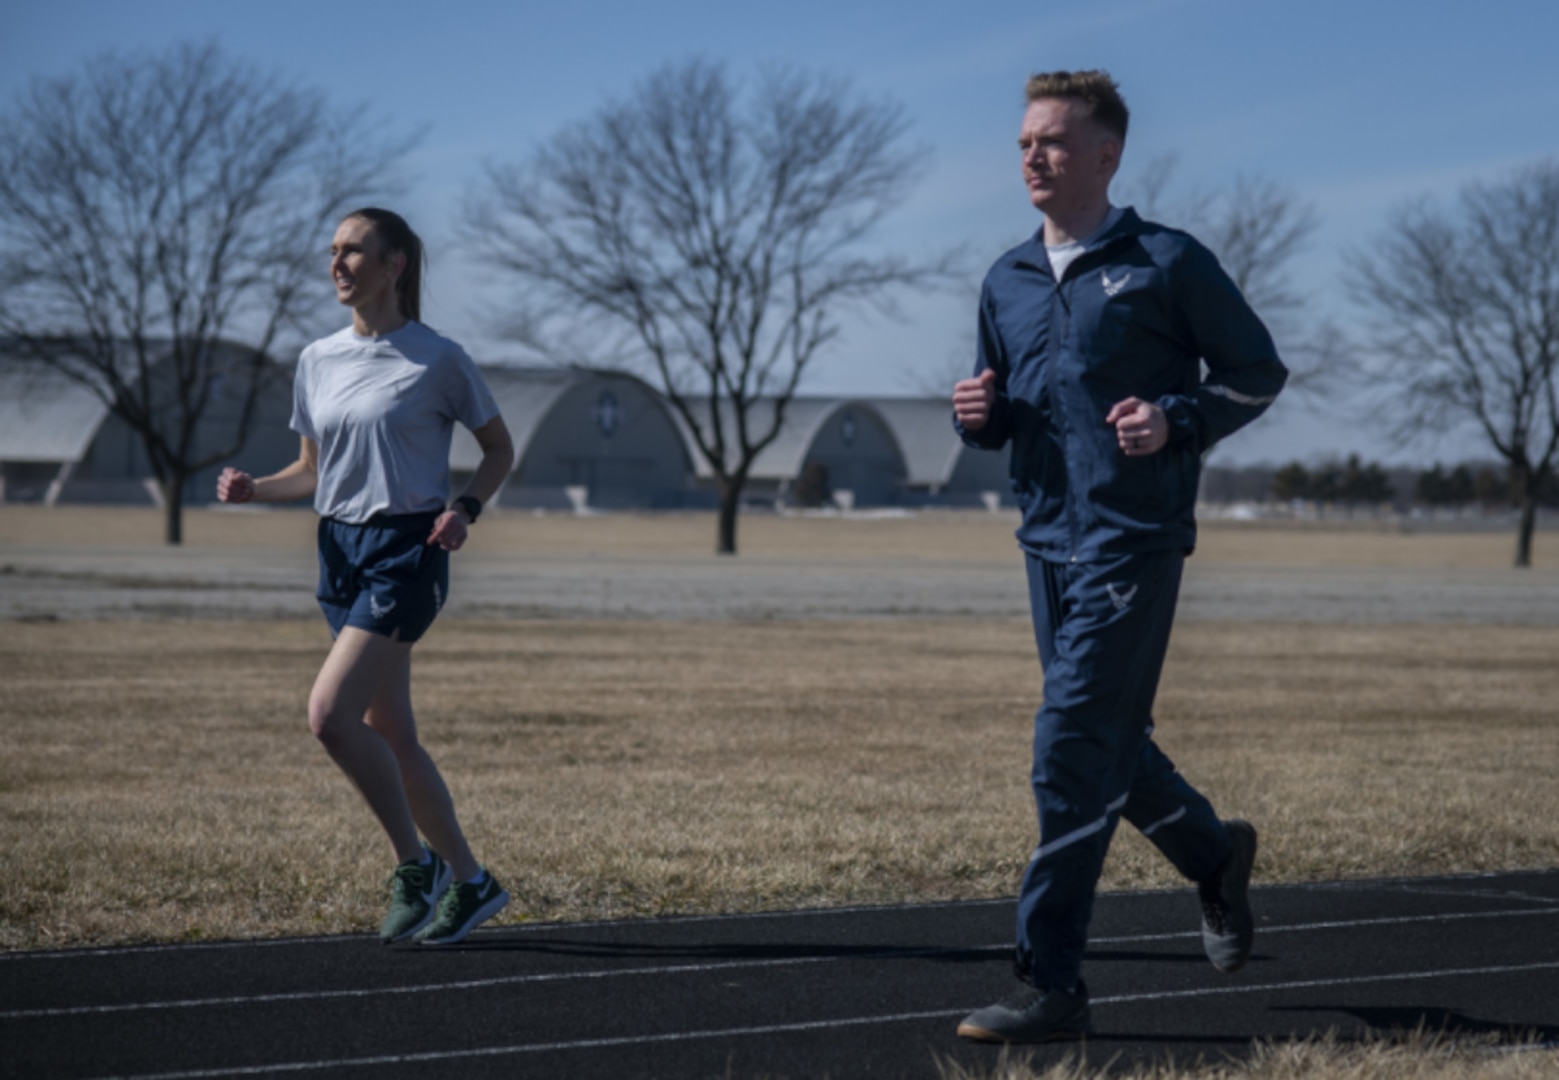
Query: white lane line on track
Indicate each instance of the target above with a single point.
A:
(720, 965)
(780, 1029)
(485, 984)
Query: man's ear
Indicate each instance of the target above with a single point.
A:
(1110, 156)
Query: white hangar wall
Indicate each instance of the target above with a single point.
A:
(606, 440)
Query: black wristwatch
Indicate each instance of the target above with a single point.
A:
(471, 505)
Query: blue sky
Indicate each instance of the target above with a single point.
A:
(1356, 106)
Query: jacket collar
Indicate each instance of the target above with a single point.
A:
(1033, 254)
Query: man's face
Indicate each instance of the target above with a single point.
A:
(1068, 159)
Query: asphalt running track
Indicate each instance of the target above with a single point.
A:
(847, 993)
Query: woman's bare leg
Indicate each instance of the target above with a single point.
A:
(390, 715)
(358, 668)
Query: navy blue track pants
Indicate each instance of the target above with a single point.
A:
(1102, 630)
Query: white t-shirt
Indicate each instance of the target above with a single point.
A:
(383, 410)
(1063, 255)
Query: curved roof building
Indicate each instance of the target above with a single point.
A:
(60, 442)
(608, 438)
(883, 451)
(603, 439)
(846, 437)
(941, 468)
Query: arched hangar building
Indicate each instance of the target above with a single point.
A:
(608, 440)
(866, 452)
(60, 443)
(605, 440)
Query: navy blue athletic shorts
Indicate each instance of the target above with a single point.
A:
(382, 576)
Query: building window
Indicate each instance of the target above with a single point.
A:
(606, 413)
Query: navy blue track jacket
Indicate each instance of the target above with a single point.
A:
(1137, 313)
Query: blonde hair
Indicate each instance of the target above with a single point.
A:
(1095, 89)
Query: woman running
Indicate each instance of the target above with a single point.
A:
(375, 406)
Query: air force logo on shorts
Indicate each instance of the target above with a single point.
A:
(382, 576)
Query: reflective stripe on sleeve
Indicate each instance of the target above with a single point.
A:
(1237, 397)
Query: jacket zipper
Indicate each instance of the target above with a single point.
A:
(1057, 405)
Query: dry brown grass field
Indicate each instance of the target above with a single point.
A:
(1411, 1056)
(157, 781)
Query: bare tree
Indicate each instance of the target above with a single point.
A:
(1145, 188)
(1465, 303)
(161, 219)
(710, 233)
(1257, 228)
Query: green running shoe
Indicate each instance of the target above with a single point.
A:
(465, 906)
(415, 889)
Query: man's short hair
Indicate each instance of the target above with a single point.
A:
(1094, 89)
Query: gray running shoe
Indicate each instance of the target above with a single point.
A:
(1031, 1016)
(1227, 923)
(465, 906)
(415, 890)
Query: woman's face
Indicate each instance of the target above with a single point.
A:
(364, 275)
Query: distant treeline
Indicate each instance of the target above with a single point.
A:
(1354, 482)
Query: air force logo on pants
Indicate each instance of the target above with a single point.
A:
(1120, 595)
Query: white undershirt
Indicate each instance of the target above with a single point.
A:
(1062, 255)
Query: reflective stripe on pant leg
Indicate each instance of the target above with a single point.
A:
(1176, 817)
(1078, 834)
(1161, 822)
